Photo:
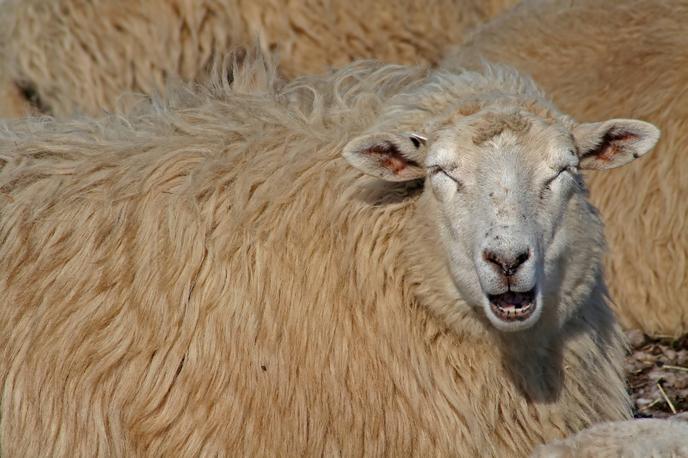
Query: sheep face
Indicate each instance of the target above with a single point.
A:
(508, 196)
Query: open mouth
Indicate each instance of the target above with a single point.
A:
(512, 306)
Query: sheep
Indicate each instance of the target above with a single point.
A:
(221, 275)
(81, 56)
(598, 59)
(646, 438)
(12, 102)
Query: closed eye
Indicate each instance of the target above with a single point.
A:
(568, 169)
(436, 169)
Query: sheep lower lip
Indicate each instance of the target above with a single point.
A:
(512, 306)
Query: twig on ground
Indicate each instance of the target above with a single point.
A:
(650, 405)
(666, 398)
(676, 368)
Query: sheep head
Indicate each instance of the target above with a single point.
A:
(509, 202)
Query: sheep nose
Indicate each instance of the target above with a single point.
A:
(507, 263)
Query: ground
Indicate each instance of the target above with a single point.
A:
(657, 371)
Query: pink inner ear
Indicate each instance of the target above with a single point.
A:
(390, 158)
(395, 164)
(609, 151)
(611, 145)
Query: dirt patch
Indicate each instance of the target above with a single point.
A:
(657, 373)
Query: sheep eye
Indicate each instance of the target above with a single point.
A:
(435, 169)
(558, 174)
(547, 187)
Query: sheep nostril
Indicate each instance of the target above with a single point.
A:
(509, 267)
(521, 258)
(492, 258)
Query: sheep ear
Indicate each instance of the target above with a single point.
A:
(390, 156)
(613, 143)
